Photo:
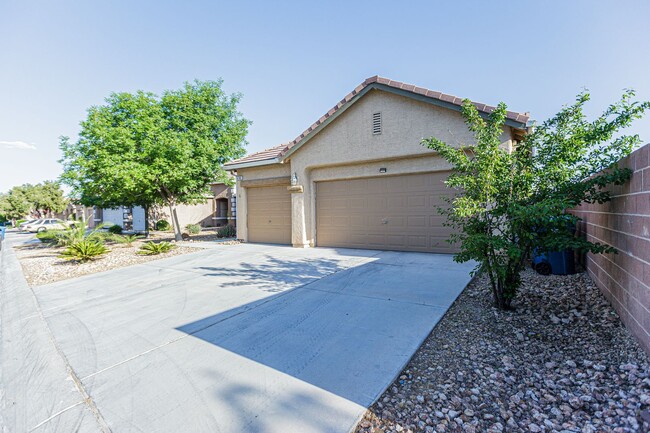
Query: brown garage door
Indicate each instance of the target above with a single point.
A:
(269, 215)
(390, 212)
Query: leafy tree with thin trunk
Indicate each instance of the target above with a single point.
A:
(15, 204)
(41, 200)
(47, 198)
(512, 201)
(144, 150)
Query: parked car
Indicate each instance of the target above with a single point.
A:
(22, 226)
(43, 225)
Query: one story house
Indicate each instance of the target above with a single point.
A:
(218, 209)
(359, 177)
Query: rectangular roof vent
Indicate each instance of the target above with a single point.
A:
(376, 123)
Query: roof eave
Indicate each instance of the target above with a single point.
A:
(440, 103)
(406, 93)
(327, 121)
(250, 164)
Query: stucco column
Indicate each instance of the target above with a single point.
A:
(242, 211)
(298, 227)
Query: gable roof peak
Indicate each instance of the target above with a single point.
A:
(278, 153)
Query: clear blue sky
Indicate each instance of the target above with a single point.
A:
(294, 60)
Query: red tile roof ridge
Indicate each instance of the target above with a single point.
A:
(280, 150)
(517, 117)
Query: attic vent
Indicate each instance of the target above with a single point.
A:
(376, 123)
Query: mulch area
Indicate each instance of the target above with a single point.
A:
(560, 362)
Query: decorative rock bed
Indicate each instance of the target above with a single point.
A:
(560, 362)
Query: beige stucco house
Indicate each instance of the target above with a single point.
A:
(218, 209)
(359, 177)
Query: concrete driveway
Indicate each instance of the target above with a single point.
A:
(245, 338)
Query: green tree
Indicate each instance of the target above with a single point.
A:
(15, 204)
(143, 150)
(46, 198)
(510, 202)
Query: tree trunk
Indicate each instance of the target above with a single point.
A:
(174, 217)
(146, 222)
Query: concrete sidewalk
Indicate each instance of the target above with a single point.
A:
(38, 392)
(245, 337)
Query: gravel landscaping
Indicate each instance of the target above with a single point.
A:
(42, 265)
(560, 362)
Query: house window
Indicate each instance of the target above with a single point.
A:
(376, 123)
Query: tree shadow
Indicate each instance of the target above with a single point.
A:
(349, 332)
(275, 275)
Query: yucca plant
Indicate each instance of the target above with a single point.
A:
(79, 232)
(151, 248)
(84, 250)
(126, 239)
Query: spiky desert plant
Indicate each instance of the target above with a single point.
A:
(152, 248)
(84, 250)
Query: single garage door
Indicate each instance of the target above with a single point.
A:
(269, 215)
(391, 212)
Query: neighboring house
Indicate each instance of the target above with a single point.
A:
(78, 212)
(359, 177)
(218, 209)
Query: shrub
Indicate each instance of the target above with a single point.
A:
(228, 231)
(47, 237)
(151, 248)
(125, 239)
(194, 229)
(19, 222)
(510, 203)
(116, 230)
(162, 225)
(77, 233)
(84, 251)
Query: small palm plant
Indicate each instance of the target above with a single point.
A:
(84, 250)
(151, 248)
(78, 233)
(127, 240)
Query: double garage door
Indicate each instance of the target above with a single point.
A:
(389, 213)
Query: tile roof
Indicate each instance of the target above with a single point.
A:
(266, 154)
(279, 151)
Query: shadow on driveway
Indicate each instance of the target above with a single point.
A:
(349, 332)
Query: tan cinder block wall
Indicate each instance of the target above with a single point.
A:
(347, 149)
(200, 213)
(624, 278)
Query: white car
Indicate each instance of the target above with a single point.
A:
(22, 226)
(44, 225)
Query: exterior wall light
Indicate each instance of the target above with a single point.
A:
(382, 170)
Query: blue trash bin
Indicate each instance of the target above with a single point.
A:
(562, 262)
(554, 262)
(3, 229)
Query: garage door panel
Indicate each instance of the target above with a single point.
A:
(393, 212)
(417, 221)
(358, 221)
(417, 241)
(269, 215)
